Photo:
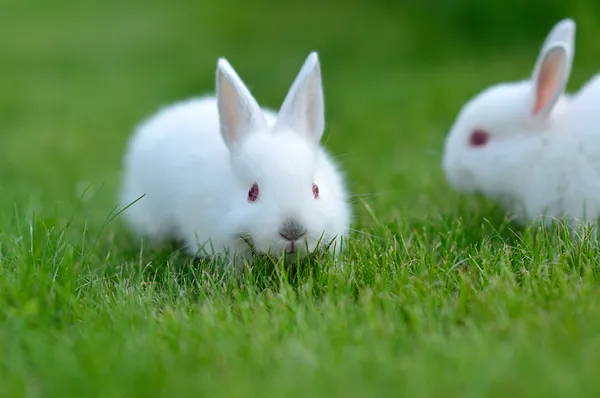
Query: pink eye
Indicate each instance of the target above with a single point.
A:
(253, 193)
(315, 191)
(479, 138)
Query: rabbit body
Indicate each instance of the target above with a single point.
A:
(531, 147)
(228, 178)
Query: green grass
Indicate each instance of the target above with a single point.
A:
(439, 294)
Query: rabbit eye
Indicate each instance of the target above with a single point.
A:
(315, 191)
(253, 193)
(479, 138)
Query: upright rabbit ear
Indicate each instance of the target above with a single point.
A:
(239, 113)
(303, 109)
(553, 68)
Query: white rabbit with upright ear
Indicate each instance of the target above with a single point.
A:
(228, 178)
(530, 146)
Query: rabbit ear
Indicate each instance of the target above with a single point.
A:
(563, 32)
(239, 113)
(303, 109)
(553, 68)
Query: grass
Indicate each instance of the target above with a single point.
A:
(439, 294)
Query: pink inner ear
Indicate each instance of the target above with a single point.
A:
(549, 78)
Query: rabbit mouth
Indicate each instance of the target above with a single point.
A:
(291, 248)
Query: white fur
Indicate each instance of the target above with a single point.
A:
(196, 160)
(543, 165)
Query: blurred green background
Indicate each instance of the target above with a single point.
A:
(76, 76)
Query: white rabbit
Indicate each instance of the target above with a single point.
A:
(230, 179)
(531, 147)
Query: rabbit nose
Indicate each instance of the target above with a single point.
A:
(292, 230)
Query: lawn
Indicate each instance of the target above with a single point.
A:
(439, 294)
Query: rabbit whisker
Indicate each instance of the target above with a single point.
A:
(248, 240)
(363, 233)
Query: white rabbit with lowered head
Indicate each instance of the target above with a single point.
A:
(530, 146)
(227, 178)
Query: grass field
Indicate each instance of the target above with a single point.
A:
(440, 294)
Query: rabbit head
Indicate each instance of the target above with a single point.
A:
(288, 196)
